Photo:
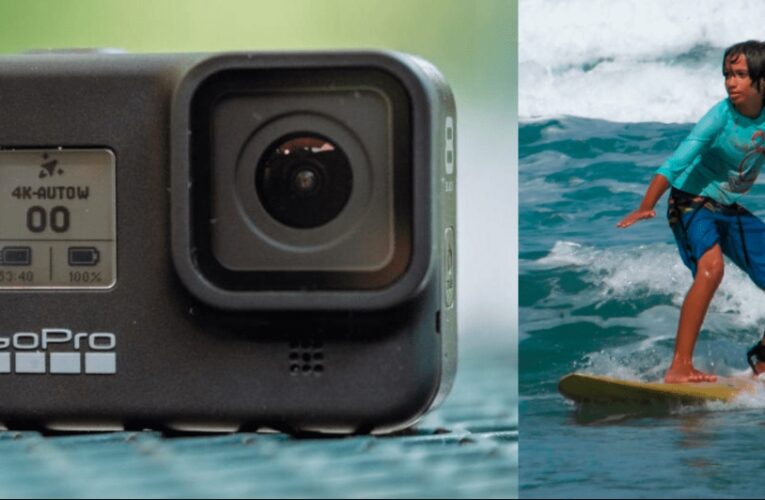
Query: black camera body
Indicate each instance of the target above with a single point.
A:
(218, 242)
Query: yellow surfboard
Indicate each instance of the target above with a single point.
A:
(585, 388)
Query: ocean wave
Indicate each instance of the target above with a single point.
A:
(555, 144)
(628, 61)
(647, 358)
(626, 274)
(620, 92)
(629, 300)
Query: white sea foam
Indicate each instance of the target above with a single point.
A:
(628, 60)
(736, 315)
(566, 253)
(754, 397)
(611, 364)
(630, 273)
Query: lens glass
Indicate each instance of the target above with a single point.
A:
(304, 180)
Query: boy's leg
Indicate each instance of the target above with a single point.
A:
(709, 274)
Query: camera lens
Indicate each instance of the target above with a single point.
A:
(303, 180)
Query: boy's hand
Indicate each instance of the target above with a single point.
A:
(645, 210)
(635, 216)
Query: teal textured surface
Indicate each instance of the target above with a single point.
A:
(467, 448)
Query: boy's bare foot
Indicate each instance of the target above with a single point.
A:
(681, 375)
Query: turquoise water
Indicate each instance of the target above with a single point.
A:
(605, 300)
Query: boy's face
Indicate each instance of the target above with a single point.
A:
(738, 83)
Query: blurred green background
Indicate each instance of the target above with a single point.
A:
(468, 40)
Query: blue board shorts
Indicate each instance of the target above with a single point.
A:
(698, 223)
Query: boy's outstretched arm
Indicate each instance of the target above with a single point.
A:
(659, 184)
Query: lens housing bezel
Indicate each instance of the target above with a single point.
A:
(263, 290)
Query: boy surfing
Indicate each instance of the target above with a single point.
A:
(707, 174)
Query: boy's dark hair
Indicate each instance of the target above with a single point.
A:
(755, 59)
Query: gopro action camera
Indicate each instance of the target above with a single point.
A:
(232, 241)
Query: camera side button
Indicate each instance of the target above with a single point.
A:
(449, 266)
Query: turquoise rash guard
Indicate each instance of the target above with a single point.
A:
(721, 157)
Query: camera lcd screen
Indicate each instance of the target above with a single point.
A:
(57, 219)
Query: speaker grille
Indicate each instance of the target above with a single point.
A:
(306, 357)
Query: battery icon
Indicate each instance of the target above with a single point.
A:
(16, 256)
(84, 256)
